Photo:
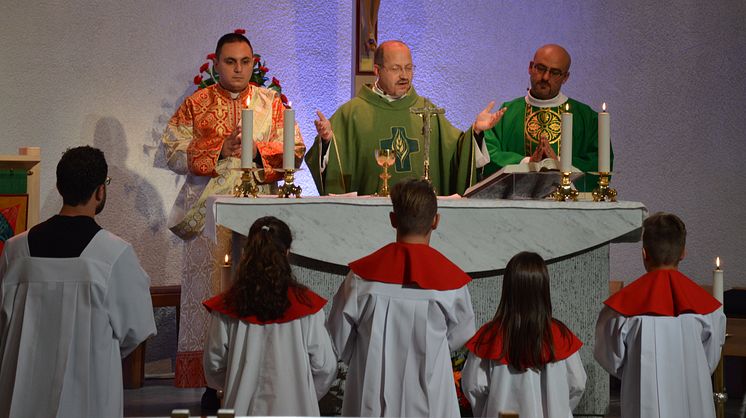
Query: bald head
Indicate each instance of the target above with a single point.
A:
(549, 70)
(378, 57)
(556, 54)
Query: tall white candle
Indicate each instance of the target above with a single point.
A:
(247, 136)
(717, 281)
(566, 141)
(288, 139)
(604, 141)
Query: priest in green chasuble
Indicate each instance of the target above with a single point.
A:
(537, 116)
(342, 159)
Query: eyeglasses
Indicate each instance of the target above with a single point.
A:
(541, 69)
(107, 181)
(409, 69)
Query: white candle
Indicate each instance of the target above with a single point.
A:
(226, 279)
(566, 141)
(247, 136)
(717, 281)
(288, 139)
(604, 141)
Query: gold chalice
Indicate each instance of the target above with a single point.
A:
(385, 158)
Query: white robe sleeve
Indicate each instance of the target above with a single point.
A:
(128, 302)
(576, 379)
(461, 321)
(610, 349)
(713, 337)
(342, 321)
(321, 354)
(481, 155)
(475, 383)
(215, 355)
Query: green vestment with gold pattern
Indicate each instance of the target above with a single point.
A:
(369, 121)
(517, 134)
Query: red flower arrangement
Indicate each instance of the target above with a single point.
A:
(258, 76)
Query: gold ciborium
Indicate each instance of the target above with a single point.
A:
(385, 158)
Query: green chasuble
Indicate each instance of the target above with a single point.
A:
(517, 134)
(369, 121)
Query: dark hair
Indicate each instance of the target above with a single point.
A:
(264, 273)
(415, 206)
(230, 38)
(80, 171)
(378, 54)
(524, 316)
(663, 238)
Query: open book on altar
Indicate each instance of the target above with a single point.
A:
(530, 180)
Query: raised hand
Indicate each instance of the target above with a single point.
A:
(486, 120)
(232, 144)
(323, 127)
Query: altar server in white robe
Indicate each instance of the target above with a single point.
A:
(662, 334)
(267, 347)
(397, 316)
(75, 301)
(524, 360)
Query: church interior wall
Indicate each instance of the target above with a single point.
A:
(111, 73)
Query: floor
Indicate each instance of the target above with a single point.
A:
(158, 397)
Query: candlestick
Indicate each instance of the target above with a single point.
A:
(717, 281)
(288, 139)
(604, 141)
(566, 141)
(226, 278)
(247, 136)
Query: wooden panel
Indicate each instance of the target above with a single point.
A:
(735, 341)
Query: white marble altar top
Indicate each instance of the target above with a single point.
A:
(477, 235)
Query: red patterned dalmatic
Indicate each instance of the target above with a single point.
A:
(193, 140)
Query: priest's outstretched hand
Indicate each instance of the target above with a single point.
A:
(486, 120)
(232, 144)
(323, 127)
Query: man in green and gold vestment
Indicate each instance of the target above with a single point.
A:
(342, 160)
(538, 115)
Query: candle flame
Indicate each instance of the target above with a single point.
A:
(227, 259)
(603, 107)
(717, 262)
(290, 104)
(248, 102)
(567, 107)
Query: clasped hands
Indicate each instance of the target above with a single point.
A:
(232, 144)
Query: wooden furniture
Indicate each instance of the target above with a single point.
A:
(28, 159)
(133, 366)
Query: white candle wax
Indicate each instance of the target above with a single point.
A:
(247, 136)
(566, 141)
(288, 140)
(604, 141)
(717, 281)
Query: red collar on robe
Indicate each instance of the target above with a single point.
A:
(297, 308)
(662, 293)
(565, 345)
(411, 264)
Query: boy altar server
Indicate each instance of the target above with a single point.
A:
(662, 334)
(399, 314)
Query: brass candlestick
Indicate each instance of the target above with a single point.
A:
(603, 193)
(719, 393)
(564, 190)
(249, 180)
(289, 188)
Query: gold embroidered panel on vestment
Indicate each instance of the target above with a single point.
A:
(541, 122)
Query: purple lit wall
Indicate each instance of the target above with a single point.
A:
(111, 73)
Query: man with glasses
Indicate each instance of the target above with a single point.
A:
(342, 159)
(74, 301)
(537, 116)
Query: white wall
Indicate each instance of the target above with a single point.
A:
(111, 73)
